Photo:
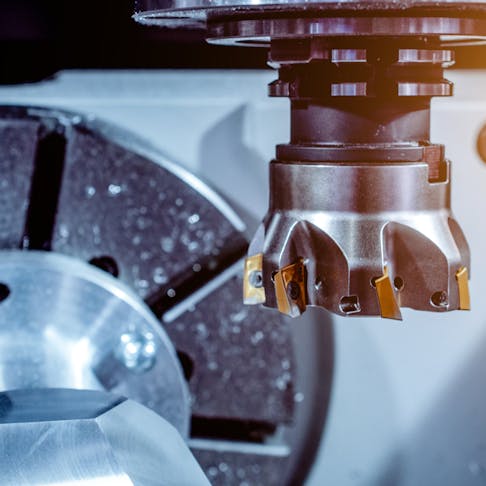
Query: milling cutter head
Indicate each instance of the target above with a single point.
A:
(359, 220)
(358, 239)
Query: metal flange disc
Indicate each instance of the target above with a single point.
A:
(67, 324)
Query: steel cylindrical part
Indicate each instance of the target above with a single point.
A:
(360, 121)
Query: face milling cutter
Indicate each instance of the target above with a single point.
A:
(359, 219)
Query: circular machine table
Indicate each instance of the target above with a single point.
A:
(75, 190)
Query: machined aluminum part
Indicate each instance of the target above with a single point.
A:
(50, 437)
(367, 239)
(68, 324)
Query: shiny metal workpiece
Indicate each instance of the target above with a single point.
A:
(68, 324)
(89, 438)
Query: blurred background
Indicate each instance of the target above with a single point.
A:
(408, 400)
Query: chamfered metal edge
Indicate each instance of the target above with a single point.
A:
(35, 398)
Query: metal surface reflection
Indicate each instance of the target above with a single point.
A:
(79, 437)
(67, 324)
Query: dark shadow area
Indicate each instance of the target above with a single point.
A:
(45, 189)
(253, 431)
(41, 37)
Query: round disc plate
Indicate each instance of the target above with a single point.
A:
(66, 324)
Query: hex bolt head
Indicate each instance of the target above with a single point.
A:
(137, 351)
